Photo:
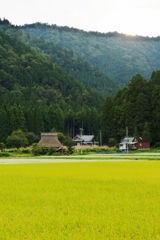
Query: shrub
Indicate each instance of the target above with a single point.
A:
(32, 138)
(11, 150)
(36, 150)
(2, 146)
(157, 144)
(112, 142)
(69, 143)
(17, 139)
(61, 137)
(4, 154)
(51, 150)
(25, 150)
(43, 150)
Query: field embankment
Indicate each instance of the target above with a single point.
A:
(98, 157)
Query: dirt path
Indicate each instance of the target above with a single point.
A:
(47, 160)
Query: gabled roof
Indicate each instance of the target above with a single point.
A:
(141, 139)
(83, 138)
(127, 139)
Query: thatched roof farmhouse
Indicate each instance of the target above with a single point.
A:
(50, 140)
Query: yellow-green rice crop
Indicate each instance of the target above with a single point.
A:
(101, 200)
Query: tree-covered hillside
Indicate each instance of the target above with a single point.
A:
(117, 55)
(137, 107)
(36, 95)
(66, 59)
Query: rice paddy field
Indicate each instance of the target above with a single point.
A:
(80, 200)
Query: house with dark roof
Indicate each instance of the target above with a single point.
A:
(134, 143)
(85, 139)
(50, 140)
(140, 143)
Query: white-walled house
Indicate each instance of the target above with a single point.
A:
(134, 143)
(124, 142)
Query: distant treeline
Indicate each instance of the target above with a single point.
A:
(116, 55)
(66, 59)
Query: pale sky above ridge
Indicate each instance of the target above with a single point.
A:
(135, 17)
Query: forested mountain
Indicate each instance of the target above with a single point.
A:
(136, 106)
(117, 55)
(66, 59)
(36, 95)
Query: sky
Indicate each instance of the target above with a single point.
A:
(132, 17)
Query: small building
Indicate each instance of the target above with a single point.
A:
(134, 143)
(140, 143)
(50, 140)
(85, 140)
(125, 142)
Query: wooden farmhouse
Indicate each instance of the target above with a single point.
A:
(50, 140)
(134, 143)
(139, 143)
(85, 140)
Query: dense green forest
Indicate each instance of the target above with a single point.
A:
(136, 106)
(117, 55)
(36, 96)
(65, 59)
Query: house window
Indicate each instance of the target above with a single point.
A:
(140, 144)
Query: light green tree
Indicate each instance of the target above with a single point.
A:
(17, 139)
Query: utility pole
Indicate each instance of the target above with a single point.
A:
(127, 139)
(100, 138)
(81, 130)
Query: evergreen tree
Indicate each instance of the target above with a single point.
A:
(136, 133)
(59, 124)
(32, 138)
(154, 84)
(70, 123)
(20, 118)
(138, 96)
(38, 121)
(4, 125)
(52, 118)
(107, 124)
(13, 122)
(29, 115)
(146, 132)
(17, 118)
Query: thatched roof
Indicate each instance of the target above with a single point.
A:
(50, 140)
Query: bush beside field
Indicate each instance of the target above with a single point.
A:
(36, 150)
